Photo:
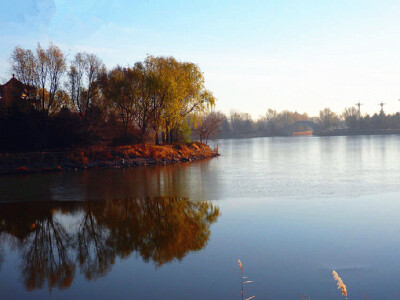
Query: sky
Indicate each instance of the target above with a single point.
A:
(283, 54)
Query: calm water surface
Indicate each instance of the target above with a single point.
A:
(292, 209)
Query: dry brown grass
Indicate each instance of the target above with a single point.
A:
(340, 284)
(156, 152)
(100, 156)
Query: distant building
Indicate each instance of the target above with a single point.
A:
(15, 90)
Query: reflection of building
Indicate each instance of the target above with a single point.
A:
(15, 90)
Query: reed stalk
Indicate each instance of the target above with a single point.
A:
(242, 283)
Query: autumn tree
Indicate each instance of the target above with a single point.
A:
(129, 92)
(189, 96)
(115, 89)
(179, 91)
(163, 71)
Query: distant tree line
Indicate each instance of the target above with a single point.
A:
(238, 124)
(78, 102)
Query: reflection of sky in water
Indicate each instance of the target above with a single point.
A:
(293, 245)
(292, 209)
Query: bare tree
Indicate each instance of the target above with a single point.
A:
(75, 79)
(350, 115)
(42, 69)
(24, 66)
(56, 66)
(328, 119)
(42, 72)
(82, 84)
(210, 126)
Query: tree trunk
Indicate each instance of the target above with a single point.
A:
(171, 137)
(143, 133)
(167, 135)
(156, 137)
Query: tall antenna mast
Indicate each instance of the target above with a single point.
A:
(359, 108)
(381, 105)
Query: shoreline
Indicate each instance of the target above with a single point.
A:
(101, 158)
(336, 132)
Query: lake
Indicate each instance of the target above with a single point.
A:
(291, 209)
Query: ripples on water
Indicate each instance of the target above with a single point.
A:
(292, 209)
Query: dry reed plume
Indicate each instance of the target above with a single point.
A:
(243, 282)
(340, 284)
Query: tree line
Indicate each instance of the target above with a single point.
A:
(238, 124)
(79, 102)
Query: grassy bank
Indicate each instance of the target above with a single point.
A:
(116, 157)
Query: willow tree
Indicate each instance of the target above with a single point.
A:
(163, 72)
(179, 91)
(189, 98)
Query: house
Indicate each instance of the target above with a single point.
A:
(15, 90)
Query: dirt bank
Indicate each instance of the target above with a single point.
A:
(117, 157)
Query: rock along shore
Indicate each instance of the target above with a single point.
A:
(116, 157)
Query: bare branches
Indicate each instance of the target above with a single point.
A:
(210, 125)
(42, 69)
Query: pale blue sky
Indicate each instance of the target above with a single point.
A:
(287, 54)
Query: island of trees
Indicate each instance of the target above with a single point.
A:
(56, 103)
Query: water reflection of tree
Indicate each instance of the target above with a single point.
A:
(160, 229)
(43, 242)
(46, 256)
(94, 254)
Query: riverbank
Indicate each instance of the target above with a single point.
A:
(116, 157)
